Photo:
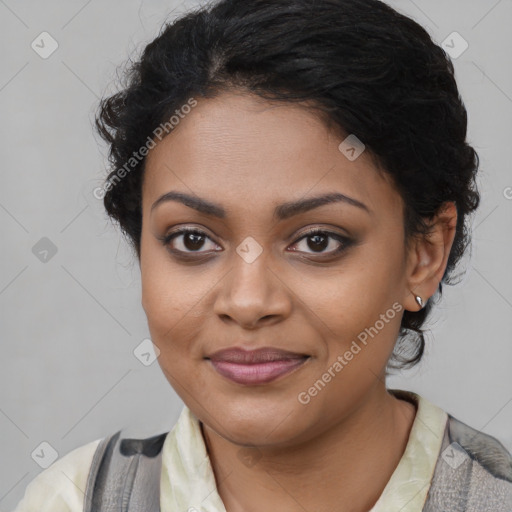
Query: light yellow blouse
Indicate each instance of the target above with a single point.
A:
(187, 480)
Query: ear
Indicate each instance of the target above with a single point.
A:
(428, 255)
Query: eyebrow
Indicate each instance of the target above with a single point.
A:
(282, 211)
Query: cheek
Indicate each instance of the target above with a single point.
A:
(166, 297)
(352, 294)
(171, 311)
(174, 298)
(359, 301)
(170, 307)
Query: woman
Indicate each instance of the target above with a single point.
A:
(296, 184)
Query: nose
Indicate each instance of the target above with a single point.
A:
(253, 294)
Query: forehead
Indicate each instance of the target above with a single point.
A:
(240, 150)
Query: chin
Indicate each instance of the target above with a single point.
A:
(246, 422)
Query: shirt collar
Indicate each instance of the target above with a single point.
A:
(188, 482)
(408, 486)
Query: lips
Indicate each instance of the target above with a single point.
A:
(261, 355)
(251, 367)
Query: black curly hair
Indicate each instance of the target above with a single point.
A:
(365, 68)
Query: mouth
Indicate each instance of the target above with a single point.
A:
(255, 367)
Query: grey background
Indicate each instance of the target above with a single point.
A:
(69, 325)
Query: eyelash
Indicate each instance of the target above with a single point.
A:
(343, 240)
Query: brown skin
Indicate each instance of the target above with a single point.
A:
(338, 451)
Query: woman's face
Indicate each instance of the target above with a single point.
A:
(253, 278)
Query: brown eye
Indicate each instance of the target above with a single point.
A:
(322, 242)
(187, 241)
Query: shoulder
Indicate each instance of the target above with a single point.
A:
(474, 470)
(482, 448)
(107, 465)
(60, 487)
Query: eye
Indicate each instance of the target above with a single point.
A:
(318, 240)
(187, 240)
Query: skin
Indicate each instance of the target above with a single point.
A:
(338, 451)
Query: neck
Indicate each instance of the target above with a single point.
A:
(345, 468)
